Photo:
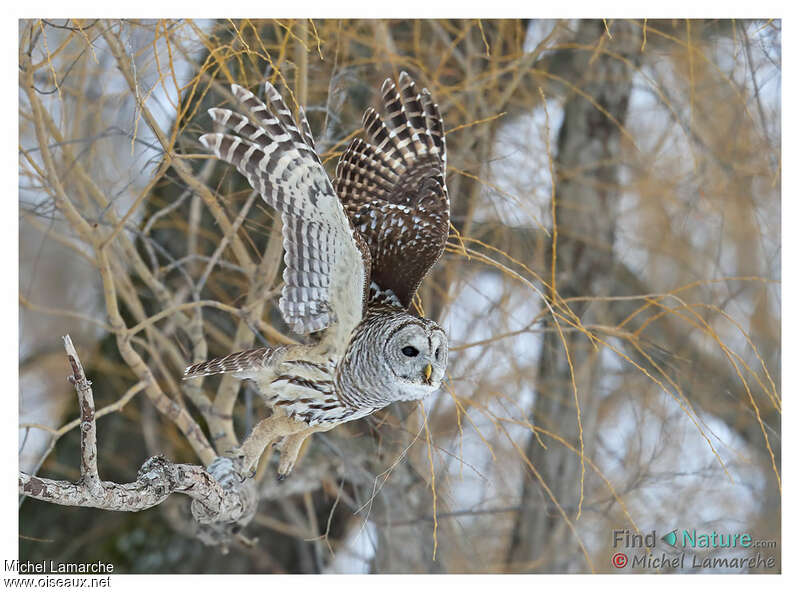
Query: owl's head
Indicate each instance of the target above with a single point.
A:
(392, 356)
(415, 351)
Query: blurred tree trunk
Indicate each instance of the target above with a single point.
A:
(588, 151)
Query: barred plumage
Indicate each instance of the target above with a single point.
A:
(326, 272)
(393, 188)
(354, 255)
(237, 362)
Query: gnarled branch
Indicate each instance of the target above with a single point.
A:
(222, 497)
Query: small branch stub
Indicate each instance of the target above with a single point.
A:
(89, 472)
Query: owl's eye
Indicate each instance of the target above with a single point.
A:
(410, 351)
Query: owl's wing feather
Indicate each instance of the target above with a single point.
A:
(327, 264)
(393, 188)
(239, 362)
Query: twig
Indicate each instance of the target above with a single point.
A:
(115, 407)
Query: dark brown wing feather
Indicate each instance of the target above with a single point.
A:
(393, 188)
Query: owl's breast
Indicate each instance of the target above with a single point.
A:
(305, 390)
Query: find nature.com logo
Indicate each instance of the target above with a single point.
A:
(740, 545)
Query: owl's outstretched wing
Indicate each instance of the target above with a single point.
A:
(327, 263)
(393, 187)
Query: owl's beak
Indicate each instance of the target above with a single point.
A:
(427, 371)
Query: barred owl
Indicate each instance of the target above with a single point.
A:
(356, 250)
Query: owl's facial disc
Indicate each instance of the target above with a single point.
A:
(417, 355)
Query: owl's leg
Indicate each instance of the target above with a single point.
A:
(290, 449)
(264, 434)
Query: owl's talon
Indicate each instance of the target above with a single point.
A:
(282, 477)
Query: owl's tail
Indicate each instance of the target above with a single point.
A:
(238, 362)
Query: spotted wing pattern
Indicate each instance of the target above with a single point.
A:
(327, 264)
(393, 188)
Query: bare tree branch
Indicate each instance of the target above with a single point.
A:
(221, 495)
